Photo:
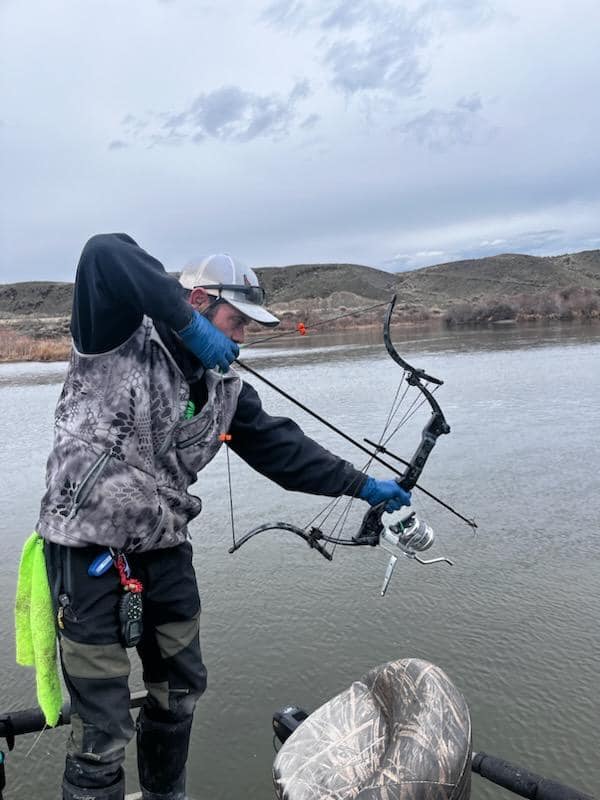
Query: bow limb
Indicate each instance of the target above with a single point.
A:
(311, 537)
(436, 426)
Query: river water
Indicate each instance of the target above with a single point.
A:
(514, 622)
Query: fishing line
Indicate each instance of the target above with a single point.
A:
(230, 493)
(315, 325)
(37, 738)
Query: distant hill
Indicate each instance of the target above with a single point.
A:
(36, 298)
(508, 286)
(443, 284)
(502, 275)
(319, 281)
(317, 290)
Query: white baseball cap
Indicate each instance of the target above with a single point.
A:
(223, 276)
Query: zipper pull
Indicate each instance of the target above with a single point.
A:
(64, 601)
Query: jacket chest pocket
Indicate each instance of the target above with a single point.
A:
(200, 429)
(184, 435)
(196, 436)
(198, 442)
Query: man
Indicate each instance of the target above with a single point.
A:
(142, 411)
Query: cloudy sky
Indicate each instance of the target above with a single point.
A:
(393, 134)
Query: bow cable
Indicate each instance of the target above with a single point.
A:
(372, 455)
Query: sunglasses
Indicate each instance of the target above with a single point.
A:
(255, 294)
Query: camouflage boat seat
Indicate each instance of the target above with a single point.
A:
(402, 732)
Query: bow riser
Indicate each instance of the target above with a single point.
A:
(436, 427)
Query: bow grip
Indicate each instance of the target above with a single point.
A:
(371, 526)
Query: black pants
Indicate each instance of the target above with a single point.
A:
(96, 665)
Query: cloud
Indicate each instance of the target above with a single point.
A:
(310, 121)
(472, 103)
(525, 242)
(375, 47)
(228, 114)
(288, 14)
(345, 15)
(386, 63)
(294, 16)
(368, 45)
(440, 130)
(452, 14)
(404, 262)
(539, 242)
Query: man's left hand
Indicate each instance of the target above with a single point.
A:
(375, 492)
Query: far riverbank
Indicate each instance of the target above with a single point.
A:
(18, 347)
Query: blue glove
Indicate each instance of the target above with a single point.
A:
(375, 492)
(212, 347)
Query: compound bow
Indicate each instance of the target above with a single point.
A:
(409, 535)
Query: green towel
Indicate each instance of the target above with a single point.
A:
(35, 627)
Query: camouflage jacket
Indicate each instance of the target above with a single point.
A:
(123, 455)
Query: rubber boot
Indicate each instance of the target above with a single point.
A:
(114, 792)
(162, 750)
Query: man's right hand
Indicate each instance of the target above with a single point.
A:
(207, 343)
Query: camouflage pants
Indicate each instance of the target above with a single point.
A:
(96, 665)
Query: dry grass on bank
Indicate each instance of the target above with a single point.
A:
(566, 304)
(17, 347)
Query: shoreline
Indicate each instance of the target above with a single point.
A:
(23, 348)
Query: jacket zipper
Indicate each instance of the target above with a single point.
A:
(167, 441)
(192, 440)
(64, 598)
(88, 483)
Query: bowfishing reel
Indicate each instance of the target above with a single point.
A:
(410, 536)
(406, 535)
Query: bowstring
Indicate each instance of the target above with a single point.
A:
(325, 514)
(416, 404)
